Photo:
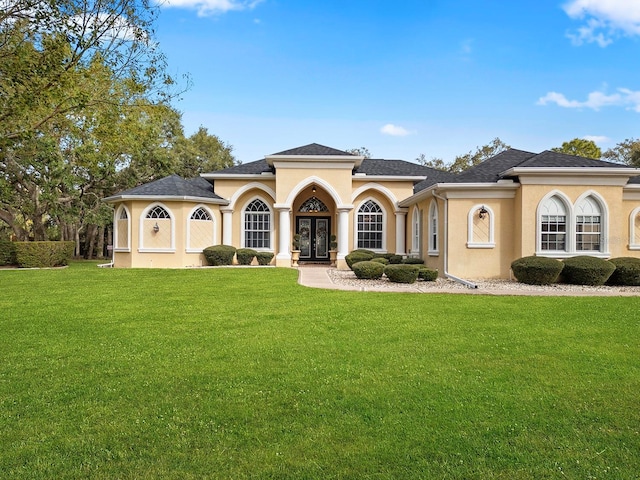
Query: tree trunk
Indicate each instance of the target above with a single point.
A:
(100, 242)
(90, 241)
(77, 239)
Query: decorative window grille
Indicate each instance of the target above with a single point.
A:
(313, 205)
(158, 212)
(200, 214)
(370, 225)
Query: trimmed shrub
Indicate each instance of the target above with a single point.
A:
(395, 259)
(43, 254)
(402, 273)
(413, 261)
(368, 270)
(264, 258)
(427, 274)
(245, 255)
(219, 255)
(627, 272)
(384, 255)
(7, 253)
(364, 250)
(355, 257)
(381, 260)
(537, 270)
(585, 270)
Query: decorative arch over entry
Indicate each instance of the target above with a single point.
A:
(295, 191)
(313, 205)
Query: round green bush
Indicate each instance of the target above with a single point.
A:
(245, 255)
(585, 270)
(384, 255)
(219, 255)
(368, 270)
(427, 274)
(381, 260)
(413, 261)
(402, 273)
(537, 270)
(355, 257)
(364, 250)
(264, 258)
(395, 259)
(627, 272)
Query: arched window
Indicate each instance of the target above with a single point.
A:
(370, 226)
(200, 230)
(313, 205)
(553, 225)
(157, 230)
(415, 231)
(588, 225)
(433, 229)
(122, 228)
(634, 230)
(257, 225)
(480, 223)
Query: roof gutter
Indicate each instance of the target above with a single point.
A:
(464, 282)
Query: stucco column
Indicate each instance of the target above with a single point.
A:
(343, 232)
(283, 258)
(227, 226)
(401, 231)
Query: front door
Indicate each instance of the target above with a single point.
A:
(314, 238)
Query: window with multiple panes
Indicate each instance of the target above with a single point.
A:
(588, 225)
(554, 232)
(370, 225)
(158, 212)
(200, 214)
(433, 228)
(257, 225)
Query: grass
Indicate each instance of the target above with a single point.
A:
(242, 373)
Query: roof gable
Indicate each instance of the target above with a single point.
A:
(313, 149)
(171, 186)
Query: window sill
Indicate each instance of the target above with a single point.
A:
(557, 254)
(122, 250)
(156, 250)
(433, 253)
(194, 250)
(481, 245)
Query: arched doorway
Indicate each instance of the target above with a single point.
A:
(313, 223)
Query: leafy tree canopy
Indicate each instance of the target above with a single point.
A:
(362, 151)
(468, 160)
(627, 152)
(581, 148)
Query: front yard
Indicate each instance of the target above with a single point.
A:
(236, 373)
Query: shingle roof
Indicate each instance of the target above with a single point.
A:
(314, 149)
(172, 186)
(490, 169)
(434, 176)
(251, 168)
(371, 166)
(549, 159)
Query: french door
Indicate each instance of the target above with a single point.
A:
(314, 237)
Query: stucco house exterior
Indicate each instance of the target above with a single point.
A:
(470, 225)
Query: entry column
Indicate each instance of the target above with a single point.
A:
(227, 222)
(401, 229)
(343, 233)
(283, 258)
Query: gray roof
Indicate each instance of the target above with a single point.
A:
(251, 168)
(490, 169)
(314, 149)
(373, 166)
(172, 186)
(549, 159)
(434, 176)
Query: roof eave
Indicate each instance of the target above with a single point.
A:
(590, 171)
(237, 176)
(389, 178)
(356, 159)
(172, 198)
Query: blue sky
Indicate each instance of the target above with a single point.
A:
(437, 77)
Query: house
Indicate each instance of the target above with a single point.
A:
(469, 225)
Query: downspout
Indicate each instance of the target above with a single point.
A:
(464, 282)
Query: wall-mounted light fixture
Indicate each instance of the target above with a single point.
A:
(482, 212)
(156, 227)
(313, 189)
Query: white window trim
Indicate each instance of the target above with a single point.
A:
(271, 224)
(470, 216)
(416, 232)
(632, 229)
(188, 237)
(115, 229)
(384, 225)
(143, 216)
(433, 216)
(570, 209)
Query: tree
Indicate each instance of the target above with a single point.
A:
(362, 151)
(434, 162)
(581, 148)
(471, 159)
(203, 152)
(627, 152)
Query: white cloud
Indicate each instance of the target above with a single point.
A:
(604, 19)
(394, 130)
(212, 7)
(596, 100)
(597, 138)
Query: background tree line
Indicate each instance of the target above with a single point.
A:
(85, 112)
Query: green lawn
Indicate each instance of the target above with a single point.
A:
(242, 373)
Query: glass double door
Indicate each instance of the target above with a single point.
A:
(314, 237)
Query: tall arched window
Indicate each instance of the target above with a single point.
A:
(257, 225)
(553, 225)
(200, 230)
(634, 229)
(588, 225)
(370, 226)
(122, 228)
(415, 231)
(433, 229)
(157, 230)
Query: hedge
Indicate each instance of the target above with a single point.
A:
(402, 273)
(537, 270)
(381, 260)
(43, 254)
(427, 274)
(219, 255)
(413, 261)
(368, 270)
(627, 272)
(364, 250)
(7, 253)
(395, 259)
(357, 256)
(584, 270)
(245, 255)
(264, 258)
